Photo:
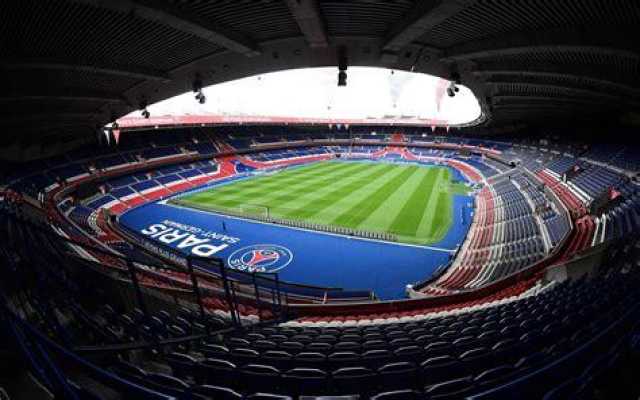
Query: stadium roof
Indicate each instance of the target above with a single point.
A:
(70, 66)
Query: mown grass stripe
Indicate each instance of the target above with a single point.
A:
(309, 209)
(260, 189)
(262, 183)
(432, 222)
(314, 186)
(408, 219)
(361, 210)
(249, 183)
(381, 219)
(442, 218)
(365, 191)
(291, 192)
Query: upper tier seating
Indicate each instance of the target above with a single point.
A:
(616, 155)
(593, 180)
(561, 164)
(504, 239)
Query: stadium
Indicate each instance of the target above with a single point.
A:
(319, 199)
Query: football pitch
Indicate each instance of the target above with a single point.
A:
(413, 203)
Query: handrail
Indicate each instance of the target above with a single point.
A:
(92, 368)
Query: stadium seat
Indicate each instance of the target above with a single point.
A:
(436, 369)
(215, 351)
(242, 356)
(453, 389)
(377, 358)
(343, 359)
(268, 396)
(399, 395)
(305, 381)
(494, 376)
(259, 378)
(216, 372)
(310, 360)
(168, 384)
(319, 347)
(353, 380)
(292, 347)
(182, 365)
(217, 392)
(399, 375)
(409, 354)
(278, 358)
(476, 359)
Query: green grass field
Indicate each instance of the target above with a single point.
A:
(414, 203)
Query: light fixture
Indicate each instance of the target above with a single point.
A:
(201, 97)
(342, 67)
(342, 78)
(197, 89)
(453, 84)
(450, 90)
(143, 107)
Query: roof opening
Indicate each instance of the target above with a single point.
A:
(370, 93)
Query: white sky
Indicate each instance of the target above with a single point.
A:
(313, 92)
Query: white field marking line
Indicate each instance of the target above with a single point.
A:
(450, 251)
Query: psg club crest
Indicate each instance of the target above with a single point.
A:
(260, 258)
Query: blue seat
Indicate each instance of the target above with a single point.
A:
(168, 384)
(476, 360)
(259, 378)
(217, 392)
(439, 348)
(493, 377)
(310, 360)
(399, 375)
(347, 346)
(264, 345)
(305, 381)
(353, 380)
(344, 359)
(452, 389)
(215, 351)
(182, 365)
(319, 347)
(409, 354)
(216, 372)
(243, 356)
(268, 396)
(376, 358)
(278, 358)
(399, 395)
(437, 369)
(292, 347)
